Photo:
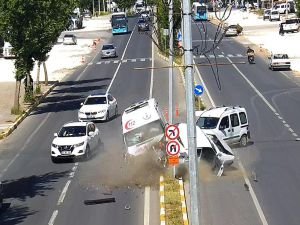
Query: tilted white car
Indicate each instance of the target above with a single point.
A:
(75, 140)
(98, 106)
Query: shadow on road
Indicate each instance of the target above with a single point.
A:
(14, 215)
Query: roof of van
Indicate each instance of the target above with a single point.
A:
(218, 111)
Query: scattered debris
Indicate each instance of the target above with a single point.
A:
(254, 176)
(99, 201)
(246, 186)
(127, 207)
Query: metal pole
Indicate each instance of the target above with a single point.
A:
(93, 8)
(286, 9)
(190, 106)
(98, 7)
(171, 62)
(103, 2)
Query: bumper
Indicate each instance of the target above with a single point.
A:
(143, 29)
(280, 66)
(75, 153)
(84, 118)
(108, 56)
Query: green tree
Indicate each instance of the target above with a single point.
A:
(125, 4)
(298, 8)
(32, 27)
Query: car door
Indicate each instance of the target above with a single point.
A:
(225, 129)
(235, 127)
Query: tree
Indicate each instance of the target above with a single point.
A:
(32, 27)
(298, 8)
(125, 4)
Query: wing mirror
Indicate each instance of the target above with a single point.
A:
(55, 135)
(81, 103)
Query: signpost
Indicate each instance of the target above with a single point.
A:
(198, 90)
(172, 132)
(172, 147)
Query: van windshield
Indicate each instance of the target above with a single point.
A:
(207, 122)
(144, 133)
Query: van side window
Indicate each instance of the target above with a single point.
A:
(224, 123)
(243, 117)
(234, 120)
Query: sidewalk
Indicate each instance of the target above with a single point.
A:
(63, 60)
(265, 35)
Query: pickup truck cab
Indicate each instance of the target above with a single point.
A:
(279, 61)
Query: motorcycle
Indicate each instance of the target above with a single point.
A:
(251, 57)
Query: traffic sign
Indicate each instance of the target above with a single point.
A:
(173, 160)
(172, 132)
(179, 36)
(173, 148)
(198, 90)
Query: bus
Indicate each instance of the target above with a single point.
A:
(119, 23)
(143, 125)
(199, 11)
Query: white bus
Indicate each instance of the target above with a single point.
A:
(143, 126)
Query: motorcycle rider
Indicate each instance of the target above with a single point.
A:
(250, 53)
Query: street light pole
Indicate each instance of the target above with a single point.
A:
(171, 62)
(93, 8)
(190, 100)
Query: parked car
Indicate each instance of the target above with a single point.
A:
(279, 61)
(233, 30)
(108, 51)
(274, 15)
(291, 25)
(69, 39)
(98, 106)
(266, 15)
(75, 140)
(143, 25)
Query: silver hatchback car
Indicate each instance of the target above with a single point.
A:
(108, 51)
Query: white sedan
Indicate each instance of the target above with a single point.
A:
(75, 140)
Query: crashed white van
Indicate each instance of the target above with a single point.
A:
(207, 142)
(229, 122)
(143, 129)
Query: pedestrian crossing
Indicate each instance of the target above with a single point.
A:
(220, 56)
(105, 62)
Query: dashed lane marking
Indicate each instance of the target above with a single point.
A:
(123, 61)
(52, 219)
(63, 193)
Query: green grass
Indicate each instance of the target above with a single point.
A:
(173, 202)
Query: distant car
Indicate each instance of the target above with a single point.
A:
(266, 15)
(145, 15)
(274, 15)
(108, 51)
(87, 14)
(279, 61)
(98, 106)
(143, 25)
(69, 39)
(231, 30)
(291, 25)
(75, 140)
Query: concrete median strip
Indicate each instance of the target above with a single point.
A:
(162, 201)
(26, 113)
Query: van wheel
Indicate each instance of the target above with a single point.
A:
(243, 141)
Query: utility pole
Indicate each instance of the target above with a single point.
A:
(190, 106)
(93, 8)
(98, 7)
(171, 62)
(103, 2)
(286, 9)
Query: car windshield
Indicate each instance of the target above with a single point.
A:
(207, 122)
(275, 12)
(72, 131)
(119, 23)
(106, 47)
(201, 9)
(281, 56)
(291, 21)
(95, 100)
(144, 133)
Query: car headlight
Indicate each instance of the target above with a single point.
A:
(81, 113)
(54, 145)
(79, 144)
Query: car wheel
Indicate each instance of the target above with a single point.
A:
(87, 153)
(116, 111)
(244, 141)
(54, 159)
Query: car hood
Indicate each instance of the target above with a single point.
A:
(68, 140)
(93, 108)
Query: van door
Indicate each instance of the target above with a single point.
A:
(235, 127)
(225, 129)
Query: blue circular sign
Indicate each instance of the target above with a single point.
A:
(198, 90)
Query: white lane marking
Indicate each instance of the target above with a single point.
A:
(283, 121)
(151, 76)
(253, 195)
(147, 206)
(133, 60)
(116, 61)
(202, 56)
(119, 65)
(107, 62)
(288, 126)
(291, 130)
(284, 74)
(124, 61)
(279, 117)
(239, 55)
(253, 87)
(229, 55)
(211, 56)
(63, 193)
(52, 219)
(25, 144)
(204, 86)
(98, 63)
(223, 53)
(72, 174)
(90, 64)
(221, 56)
(218, 47)
(142, 60)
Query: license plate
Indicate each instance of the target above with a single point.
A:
(66, 152)
(89, 117)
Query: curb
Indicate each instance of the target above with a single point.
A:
(26, 113)
(162, 201)
(183, 204)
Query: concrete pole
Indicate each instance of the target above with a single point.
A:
(171, 62)
(99, 8)
(93, 7)
(286, 9)
(103, 2)
(190, 106)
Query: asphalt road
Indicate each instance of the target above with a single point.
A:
(272, 102)
(40, 192)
